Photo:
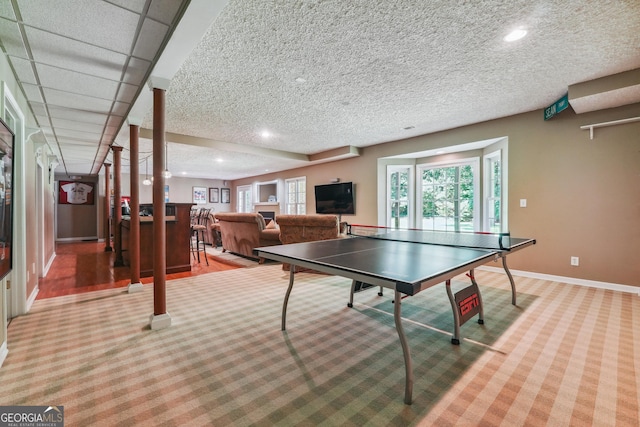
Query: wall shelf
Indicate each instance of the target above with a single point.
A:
(605, 124)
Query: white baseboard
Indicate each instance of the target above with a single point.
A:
(32, 298)
(3, 352)
(569, 280)
(48, 266)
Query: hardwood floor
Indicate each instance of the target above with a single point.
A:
(85, 267)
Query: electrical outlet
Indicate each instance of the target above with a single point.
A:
(523, 203)
(575, 261)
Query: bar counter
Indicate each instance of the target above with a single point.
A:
(177, 239)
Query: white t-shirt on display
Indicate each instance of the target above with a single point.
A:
(77, 192)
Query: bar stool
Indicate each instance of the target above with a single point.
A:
(198, 228)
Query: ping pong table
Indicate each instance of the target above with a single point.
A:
(407, 262)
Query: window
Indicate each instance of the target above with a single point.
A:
(296, 196)
(465, 189)
(448, 194)
(398, 206)
(493, 193)
(244, 199)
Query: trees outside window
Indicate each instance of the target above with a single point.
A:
(398, 179)
(448, 196)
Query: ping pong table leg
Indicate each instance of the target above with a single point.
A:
(353, 289)
(456, 316)
(513, 283)
(397, 316)
(472, 276)
(292, 270)
(357, 286)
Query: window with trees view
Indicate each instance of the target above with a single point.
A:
(398, 197)
(448, 196)
(493, 193)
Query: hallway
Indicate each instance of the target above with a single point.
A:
(85, 267)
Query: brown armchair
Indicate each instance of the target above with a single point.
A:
(307, 228)
(242, 232)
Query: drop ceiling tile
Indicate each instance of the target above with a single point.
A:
(136, 71)
(23, 69)
(75, 82)
(38, 108)
(121, 108)
(75, 101)
(127, 93)
(94, 128)
(111, 131)
(33, 93)
(115, 121)
(11, 39)
(74, 55)
(69, 143)
(6, 10)
(43, 121)
(164, 10)
(150, 39)
(103, 24)
(133, 5)
(80, 116)
(75, 165)
(78, 152)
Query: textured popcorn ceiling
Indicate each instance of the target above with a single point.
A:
(316, 74)
(371, 69)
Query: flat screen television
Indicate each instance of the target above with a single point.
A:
(335, 198)
(6, 199)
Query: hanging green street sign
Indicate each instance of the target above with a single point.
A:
(553, 109)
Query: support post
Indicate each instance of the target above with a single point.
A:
(134, 222)
(117, 205)
(107, 207)
(160, 318)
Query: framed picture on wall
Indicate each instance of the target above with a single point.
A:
(214, 195)
(225, 195)
(199, 195)
(75, 193)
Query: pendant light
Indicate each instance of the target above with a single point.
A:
(166, 173)
(146, 181)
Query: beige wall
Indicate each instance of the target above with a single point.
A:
(583, 195)
(180, 191)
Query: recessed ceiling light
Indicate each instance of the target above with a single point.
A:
(516, 34)
(301, 80)
(265, 134)
(219, 160)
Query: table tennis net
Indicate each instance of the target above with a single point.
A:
(492, 241)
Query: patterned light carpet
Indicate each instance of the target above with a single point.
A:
(566, 355)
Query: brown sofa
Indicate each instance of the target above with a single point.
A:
(307, 228)
(242, 232)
